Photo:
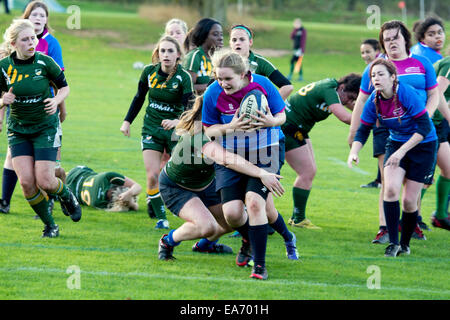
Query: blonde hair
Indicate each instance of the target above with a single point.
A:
(181, 23)
(156, 59)
(12, 33)
(117, 205)
(191, 120)
(226, 58)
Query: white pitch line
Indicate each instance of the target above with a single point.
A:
(342, 163)
(166, 276)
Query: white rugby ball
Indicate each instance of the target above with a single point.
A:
(254, 100)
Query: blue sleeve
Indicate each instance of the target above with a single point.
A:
(369, 115)
(366, 86)
(411, 100)
(55, 51)
(210, 114)
(430, 75)
(276, 102)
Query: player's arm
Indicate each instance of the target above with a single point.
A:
(433, 100)
(356, 115)
(133, 191)
(443, 107)
(284, 85)
(341, 112)
(218, 154)
(199, 88)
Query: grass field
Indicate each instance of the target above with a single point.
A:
(117, 252)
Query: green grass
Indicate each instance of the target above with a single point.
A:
(117, 252)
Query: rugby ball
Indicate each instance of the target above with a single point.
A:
(253, 101)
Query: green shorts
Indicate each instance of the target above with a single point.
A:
(159, 139)
(295, 137)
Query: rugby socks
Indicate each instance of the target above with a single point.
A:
(8, 184)
(169, 239)
(300, 199)
(442, 194)
(206, 245)
(280, 226)
(409, 221)
(243, 230)
(392, 214)
(39, 203)
(258, 241)
(61, 190)
(154, 197)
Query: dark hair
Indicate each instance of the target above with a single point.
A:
(390, 67)
(422, 27)
(396, 24)
(200, 32)
(374, 43)
(244, 27)
(351, 83)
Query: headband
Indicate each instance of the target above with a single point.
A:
(244, 28)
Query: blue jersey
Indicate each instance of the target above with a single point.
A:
(423, 50)
(219, 108)
(417, 71)
(398, 117)
(50, 46)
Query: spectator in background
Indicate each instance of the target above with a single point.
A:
(298, 36)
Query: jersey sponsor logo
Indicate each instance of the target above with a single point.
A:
(29, 99)
(160, 107)
(412, 70)
(264, 189)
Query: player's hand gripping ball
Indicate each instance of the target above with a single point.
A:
(253, 101)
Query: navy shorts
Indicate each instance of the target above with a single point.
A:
(419, 162)
(175, 196)
(380, 136)
(442, 131)
(239, 190)
(26, 148)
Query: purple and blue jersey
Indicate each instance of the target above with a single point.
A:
(50, 46)
(423, 50)
(219, 108)
(399, 117)
(417, 71)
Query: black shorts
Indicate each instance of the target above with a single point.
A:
(239, 190)
(380, 136)
(442, 131)
(175, 196)
(26, 148)
(419, 162)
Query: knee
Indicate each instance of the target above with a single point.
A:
(390, 193)
(208, 228)
(409, 205)
(47, 184)
(308, 175)
(234, 217)
(254, 205)
(28, 185)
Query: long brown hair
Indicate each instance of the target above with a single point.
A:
(191, 120)
(156, 59)
(33, 5)
(400, 26)
(392, 70)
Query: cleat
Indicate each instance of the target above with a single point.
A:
(165, 251)
(440, 223)
(162, 224)
(259, 272)
(4, 206)
(424, 226)
(373, 184)
(150, 211)
(216, 248)
(306, 224)
(381, 237)
(235, 234)
(291, 248)
(418, 234)
(71, 207)
(244, 256)
(50, 231)
(404, 249)
(392, 250)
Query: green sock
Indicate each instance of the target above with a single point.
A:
(422, 192)
(40, 205)
(300, 198)
(61, 191)
(442, 191)
(157, 203)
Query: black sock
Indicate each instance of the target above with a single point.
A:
(409, 221)
(392, 214)
(383, 228)
(258, 241)
(280, 226)
(243, 230)
(378, 176)
(8, 184)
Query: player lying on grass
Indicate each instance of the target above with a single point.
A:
(106, 190)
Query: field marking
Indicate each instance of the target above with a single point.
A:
(166, 276)
(344, 164)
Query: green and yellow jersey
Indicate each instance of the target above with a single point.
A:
(91, 188)
(187, 167)
(442, 68)
(165, 97)
(197, 62)
(260, 65)
(31, 85)
(311, 104)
